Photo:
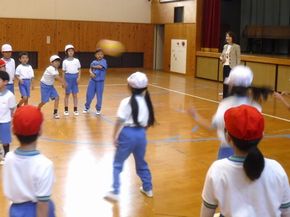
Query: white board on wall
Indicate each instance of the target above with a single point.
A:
(178, 55)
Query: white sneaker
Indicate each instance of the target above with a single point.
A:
(110, 196)
(76, 113)
(56, 116)
(65, 113)
(147, 193)
(85, 111)
(98, 112)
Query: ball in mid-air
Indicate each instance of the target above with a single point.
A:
(111, 47)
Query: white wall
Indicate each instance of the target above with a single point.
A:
(133, 11)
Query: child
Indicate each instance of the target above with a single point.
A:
(46, 84)
(241, 92)
(246, 184)
(28, 176)
(10, 65)
(7, 106)
(71, 68)
(24, 73)
(96, 84)
(135, 115)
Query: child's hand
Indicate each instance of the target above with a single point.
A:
(63, 85)
(99, 67)
(20, 81)
(92, 75)
(32, 87)
(78, 80)
(278, 95)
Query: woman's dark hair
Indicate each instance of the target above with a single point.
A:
(254, 163)
(258, 94)
(232, 35)
(135, 107)
(27, 139)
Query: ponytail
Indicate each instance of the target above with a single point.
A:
(258, 94)
(254, 163)
(135, 107)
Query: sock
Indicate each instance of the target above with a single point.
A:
(66, 108)
(75, 109)
(55, 111)
(6, 149)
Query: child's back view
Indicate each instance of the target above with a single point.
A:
(28, 175)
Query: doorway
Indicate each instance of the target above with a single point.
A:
(158, 47)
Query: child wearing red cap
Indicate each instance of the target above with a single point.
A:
(7, 106)
(246, 184)
(28, 176)
(2, 65)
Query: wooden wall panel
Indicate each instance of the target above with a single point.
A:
(283, 80)
(180, 31)
(31, 34)
(162, 13)
(207, 68)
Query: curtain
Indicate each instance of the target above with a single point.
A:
(211, 24)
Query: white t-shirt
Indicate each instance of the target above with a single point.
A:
(49, 75)
(125, 111)
(10, 68)
(218, 121)
(227, 55)
(71, 66)
(7, 102)
(228, 187)
(27, 176)
(24, 71)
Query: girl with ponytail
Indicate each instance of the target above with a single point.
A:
(135, 115)
(246, 184)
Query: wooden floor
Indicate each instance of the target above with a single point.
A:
(179, 152)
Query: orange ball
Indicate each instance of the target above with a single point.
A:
(111, 48)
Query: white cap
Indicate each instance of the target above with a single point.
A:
(138, 80)
(6, 48)
(68, 46)
(53, 58)
(240, 76)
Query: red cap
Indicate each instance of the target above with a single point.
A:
(27, 121)
(244, 122)
(2, 63)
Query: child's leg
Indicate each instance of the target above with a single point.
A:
(5, 136)
(6, 148)
(66, 102)
(68, 88)
(142, 168)
(41, 104)
(91, 92)
(123, 151)
(75, 90)
(75, 99)
(100, 90)
(56, 103)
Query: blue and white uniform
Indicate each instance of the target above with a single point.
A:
(46, 84)
(7, 103)
(28, 177)
(10, 69)
(132, 139)
(26, 73)
(96, 84)
(71, 68)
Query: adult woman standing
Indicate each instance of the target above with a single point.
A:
(230, 57)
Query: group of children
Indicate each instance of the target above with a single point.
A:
(241, 183)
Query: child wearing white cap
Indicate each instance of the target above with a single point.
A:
(135, 115)
(71, 67)
(6, 51)
(240, 92)
(46, 84)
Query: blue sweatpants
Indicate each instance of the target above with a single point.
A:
(10, 87)
(95, 88)
(132, 140)
(225, 152)
(28, 209)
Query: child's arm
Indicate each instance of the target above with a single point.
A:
(199, 119)
(61, 80)
(116, 131)
(32, 83)
(206, 212)
(79, 77)
(282, 99)
(42, 209)
(92, 75)
(19, 79)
